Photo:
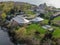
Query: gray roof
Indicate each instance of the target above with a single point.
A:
(37, 19)
(48, 27)
(20, 19)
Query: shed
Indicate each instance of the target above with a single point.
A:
(48, 27)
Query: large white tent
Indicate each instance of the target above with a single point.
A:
(37, 19)
(20, 20)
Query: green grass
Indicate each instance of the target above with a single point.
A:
(56, 33)
(57, 18)
(45, 21)
(29, 12)
(36, 27)
(31, 29)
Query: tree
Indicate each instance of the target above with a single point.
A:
(7, 7)
(12, 11)
(3, 16)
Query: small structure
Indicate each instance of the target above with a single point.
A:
(37, 19)
(19, 20)
(48, 27)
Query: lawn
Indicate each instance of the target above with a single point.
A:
(45, 21)
(56, 21)
(36, 27)
(33, 28)
(29, 12)
(56, 33)
(57, 18)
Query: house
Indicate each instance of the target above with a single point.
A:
(41, 8)
(37, 19)
(18, 20)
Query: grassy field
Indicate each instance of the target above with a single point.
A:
(36, 27)
(57, 18)
(56, 32)
(45, 21)
(33, 28)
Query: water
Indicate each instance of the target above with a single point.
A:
(4, 38)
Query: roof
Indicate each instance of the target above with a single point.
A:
(37, 19)
(20, 19)
(48, 27)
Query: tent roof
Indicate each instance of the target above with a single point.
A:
(20, 19)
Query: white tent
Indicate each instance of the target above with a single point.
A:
(37, 19)
(20, 20)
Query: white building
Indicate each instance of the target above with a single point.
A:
(19, 20)
(37, 19)
(48, 27)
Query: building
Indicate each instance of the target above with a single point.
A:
(37, 19)
(18, 20)
(41, 8)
